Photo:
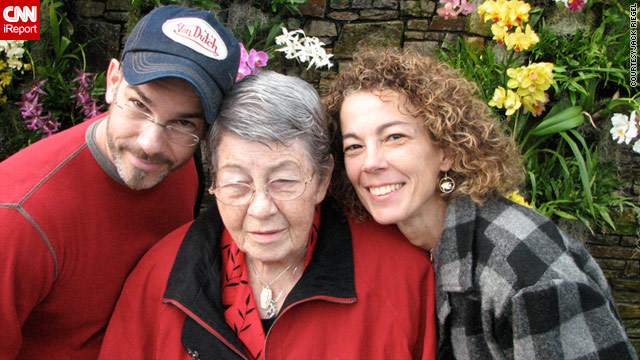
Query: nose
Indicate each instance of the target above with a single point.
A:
(151, 138)
(261, 206)
(374, 159)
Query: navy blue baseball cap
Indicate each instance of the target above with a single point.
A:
(174, 41)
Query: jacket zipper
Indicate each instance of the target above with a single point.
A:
(204, 325)
(323, 298)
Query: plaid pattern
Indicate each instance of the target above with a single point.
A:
(510, 285)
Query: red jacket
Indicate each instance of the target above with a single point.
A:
(366, 294)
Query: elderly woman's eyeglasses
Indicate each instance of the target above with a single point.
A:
(238, 193)
(181, 132)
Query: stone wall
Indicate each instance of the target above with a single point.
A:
(345, 25)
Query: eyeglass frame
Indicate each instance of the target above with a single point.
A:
(254, 189)
(150, 118)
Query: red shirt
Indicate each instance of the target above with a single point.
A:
(69, 236)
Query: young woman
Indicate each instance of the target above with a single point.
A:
(419, 150)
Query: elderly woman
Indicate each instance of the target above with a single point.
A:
(422, 152)
(274, 270)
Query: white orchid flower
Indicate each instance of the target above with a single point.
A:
(296, 45)
(624, 128)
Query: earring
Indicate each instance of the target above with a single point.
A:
(211, 189)
(446, 184)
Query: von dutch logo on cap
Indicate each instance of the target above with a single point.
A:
(196, 34)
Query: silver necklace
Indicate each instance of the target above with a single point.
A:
(267, 302)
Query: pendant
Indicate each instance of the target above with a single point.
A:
(272, 310)
(266, 297)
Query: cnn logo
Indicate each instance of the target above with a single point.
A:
(17, 13)
(20, 22)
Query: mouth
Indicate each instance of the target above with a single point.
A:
(384, 190)
(143, 161)
(266, 232)
(148, 166)
(266, 236)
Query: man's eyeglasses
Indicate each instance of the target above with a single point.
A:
(238, 193)
(181, 132)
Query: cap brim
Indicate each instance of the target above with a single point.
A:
(142, 67)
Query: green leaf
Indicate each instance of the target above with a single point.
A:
(604, 213)
(55, 27)
(584, 176)
(275, 31)
(587, 151)
(565, 214)
(564, 125)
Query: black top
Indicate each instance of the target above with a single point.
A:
(267, 323)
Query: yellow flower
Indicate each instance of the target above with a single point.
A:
(497, 10)
(3, 99)
(507, 99)
(499, 95)
(521, 40)
(507, 13)
(512, 102)
(5, 78)
(3, 64)
(488, 10)
(543, 77)
(519, 11)
(532, 80)
(499, 32)
(516, 76)
(518, 199)
(536, 107)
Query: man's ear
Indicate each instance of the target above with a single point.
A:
(113, 80)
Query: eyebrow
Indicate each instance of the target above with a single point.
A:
(379, 129)
(186, 115)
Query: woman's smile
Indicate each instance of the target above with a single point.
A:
(384, 189)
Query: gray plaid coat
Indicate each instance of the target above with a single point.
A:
(510, 285)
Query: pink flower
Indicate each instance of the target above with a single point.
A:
(257, 59)
(30, 108)
(243, 54)
(250, 62)
(575, 5)
(243, 70)
(49, 126)
(82, 94)
(467, 8)
(33, 123)
(82, 78)
(453, 3)
(452, 8)
(35, 88)
(447, 11)
(92, 109)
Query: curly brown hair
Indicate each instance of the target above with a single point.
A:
(486, 161)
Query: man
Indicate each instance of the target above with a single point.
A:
(79, 209)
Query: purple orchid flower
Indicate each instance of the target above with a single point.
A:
(257, 59)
